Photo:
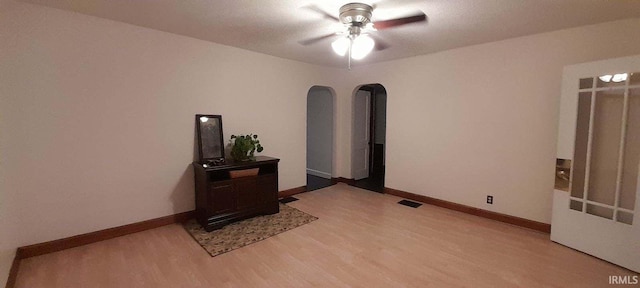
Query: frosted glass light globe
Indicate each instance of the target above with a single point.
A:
(362, 46)
(340, 46)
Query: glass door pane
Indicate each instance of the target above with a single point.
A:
(628, 186)
(600, 211)
(607, 123)
(607, 147)
(580, 146)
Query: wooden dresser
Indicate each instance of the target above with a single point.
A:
(221, 199)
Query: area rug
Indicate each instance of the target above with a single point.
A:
(248, 231)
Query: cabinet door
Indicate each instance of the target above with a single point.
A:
(245, 188)
(222, 198)
(267, 188)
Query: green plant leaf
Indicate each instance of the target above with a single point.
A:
(244, 146)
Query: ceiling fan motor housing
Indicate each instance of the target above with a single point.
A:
(355, 14)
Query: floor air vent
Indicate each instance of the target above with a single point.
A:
(286, 200)
(410, 203)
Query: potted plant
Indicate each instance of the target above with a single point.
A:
(243, 147)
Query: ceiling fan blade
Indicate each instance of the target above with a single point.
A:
(380, 44)
(315, 39)
(385, 24)
(318, 10)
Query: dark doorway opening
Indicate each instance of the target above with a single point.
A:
(320, 127)
(315, 182)
(377, 114)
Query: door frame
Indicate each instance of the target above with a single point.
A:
(373, 89)
(333, 127)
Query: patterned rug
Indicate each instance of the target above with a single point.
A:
(248, 231)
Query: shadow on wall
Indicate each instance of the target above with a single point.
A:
(196, 150)
(183, 196)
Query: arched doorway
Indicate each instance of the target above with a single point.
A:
(320, 128)
(369, 136)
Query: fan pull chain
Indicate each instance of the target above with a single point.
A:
(350, 45)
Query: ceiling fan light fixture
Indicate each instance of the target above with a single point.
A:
(361, 47)
(369, 27)
(356, 20)
(341, 46)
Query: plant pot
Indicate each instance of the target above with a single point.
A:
(243, 159)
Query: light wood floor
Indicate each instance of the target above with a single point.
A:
(362, 239)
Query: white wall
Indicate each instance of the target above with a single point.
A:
(4, 2)
(97, 120)
(483, 119)
(7, 209)
(320, 132)
(343, 112)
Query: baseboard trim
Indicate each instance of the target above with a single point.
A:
(292, 191)
(348, 181)
(319, 173)
(13, 272)
(91, 237)
(526, 223)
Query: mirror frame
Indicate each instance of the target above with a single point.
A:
(199, 135)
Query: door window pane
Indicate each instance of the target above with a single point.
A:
(586, 83)
(625, 217)
(634, 78)
(628, 186)
(575, 205)
(600, 211)
(607, 123)
(580, 146)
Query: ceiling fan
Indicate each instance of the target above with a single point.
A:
(356, 40)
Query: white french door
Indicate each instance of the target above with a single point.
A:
(600, 132)
(360, 152)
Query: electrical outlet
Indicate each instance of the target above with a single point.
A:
(489, 199)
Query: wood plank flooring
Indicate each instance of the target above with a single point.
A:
(362, 239)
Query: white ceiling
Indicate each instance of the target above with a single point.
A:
(274, 27)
